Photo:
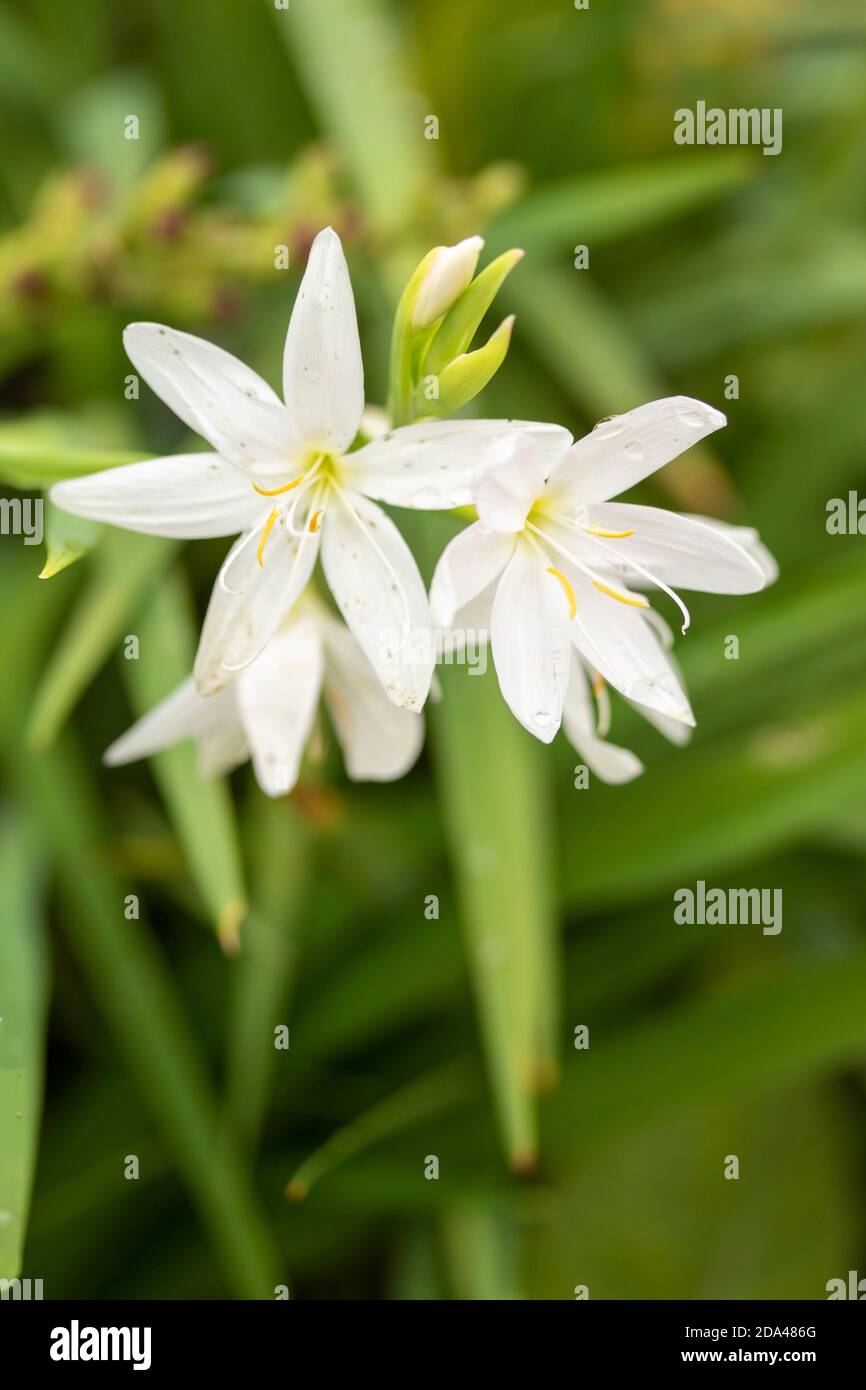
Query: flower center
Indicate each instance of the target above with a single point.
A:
(321, 471)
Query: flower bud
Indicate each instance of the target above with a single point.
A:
(447, 272)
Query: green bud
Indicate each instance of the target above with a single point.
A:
(460, 324)
(468, 374)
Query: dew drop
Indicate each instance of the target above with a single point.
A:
(692, 419)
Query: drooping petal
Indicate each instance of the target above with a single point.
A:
(375, 581)
(620, 452)
(466, 567)
(606, 761)
(750, 541)
(380, 740)
(181, 715)
(239, 622)
(679, 550)
(672, 729)
(219, 397)
(323, 375)
(617, 640)
(189, 496)
(222, 750)
(277, 701)
(430, 466)
(505, 491)
(529, 633)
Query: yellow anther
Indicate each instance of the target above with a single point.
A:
(597, 684)
(275, 491)
(608, 535)
(620, 598)
(567, 590)
(269, 526)
(314, 521)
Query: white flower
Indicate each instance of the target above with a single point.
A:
(586, 711)
(567, 563)
(269, 710)
(282, 476)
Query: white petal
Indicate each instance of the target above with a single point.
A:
(679, 550)
(616, 640)
(507, 489)
(374, 578)
(239, 623)
(673, 730)
(277, 701)
(466, 567)
(222, 750)
(186, 495)
(181, 715)
(217, 396)
(529, 634)
(450, 271)
(621, 451)
(606, 761)
(750, 540)
(380, 741)
(323, 376)
(431, 466)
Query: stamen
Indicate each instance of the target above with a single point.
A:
(653, 579)
(269, 526)
(609, 535)
(313, 524)
(620, 598)
(597, 683)
(275, 491)
(231, 560)
(567, 590)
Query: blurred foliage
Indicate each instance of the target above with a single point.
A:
(411, 1037)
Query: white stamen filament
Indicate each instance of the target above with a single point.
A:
(647, 574)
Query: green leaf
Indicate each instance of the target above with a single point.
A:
(481, 1245)
(200, 809)
(93, 125)
(581, 341)
(67, 539)
(124, 569)
(492, 792)
(23, 988)
(601, 207)
(654, 1217)
(787, 1025)
(134, 989)
(366, 105)
(280, 852)
(26, 463)
(423, 1098)
(724, 804)
(462, 380)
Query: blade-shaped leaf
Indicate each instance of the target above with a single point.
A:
(124, 568)
(23, 989)
(200, 809)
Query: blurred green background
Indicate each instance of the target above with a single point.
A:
(412, 1036)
